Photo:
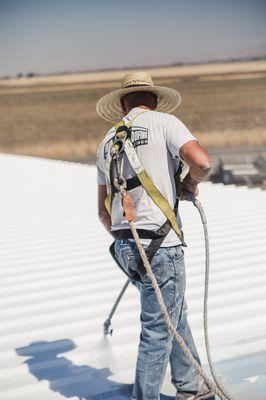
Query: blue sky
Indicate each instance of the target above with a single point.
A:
(46, 36)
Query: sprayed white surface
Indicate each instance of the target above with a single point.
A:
(58, 283)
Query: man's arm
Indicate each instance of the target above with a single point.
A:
(199, 162)
(103, 214)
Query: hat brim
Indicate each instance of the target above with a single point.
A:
(109, 107)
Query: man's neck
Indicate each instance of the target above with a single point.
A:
(144, 108)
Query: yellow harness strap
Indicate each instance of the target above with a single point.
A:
(161, 202)
(108, 202)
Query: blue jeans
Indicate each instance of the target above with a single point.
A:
(156, 346)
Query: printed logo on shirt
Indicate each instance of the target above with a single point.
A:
(139, 136)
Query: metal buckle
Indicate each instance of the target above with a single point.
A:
(120, 184)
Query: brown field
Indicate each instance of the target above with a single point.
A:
(57, 119)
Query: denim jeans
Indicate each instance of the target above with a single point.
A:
(156, 346)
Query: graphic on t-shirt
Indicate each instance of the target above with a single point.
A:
(139, 136)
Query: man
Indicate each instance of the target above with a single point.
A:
(161, 141)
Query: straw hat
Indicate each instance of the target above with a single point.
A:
(109, 107)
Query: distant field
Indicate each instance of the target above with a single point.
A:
(243, 67)
(58, 120)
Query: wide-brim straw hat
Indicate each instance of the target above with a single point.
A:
(109, 106)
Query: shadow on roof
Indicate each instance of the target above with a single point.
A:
(68, 379)
(245, 375)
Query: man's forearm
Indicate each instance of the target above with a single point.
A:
(198, 161)
(198, 174)
(194, 177)
(103, 214)
(105, 219)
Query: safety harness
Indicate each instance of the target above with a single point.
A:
(122, 144)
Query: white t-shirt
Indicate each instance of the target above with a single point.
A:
(157, 138)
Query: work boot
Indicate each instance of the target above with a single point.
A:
(203, 394)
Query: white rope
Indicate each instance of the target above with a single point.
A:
(220, 391)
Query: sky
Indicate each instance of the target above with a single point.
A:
(51, 36)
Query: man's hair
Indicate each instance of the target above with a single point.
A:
(136, 99)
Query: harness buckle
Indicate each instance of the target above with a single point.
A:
(120, 184)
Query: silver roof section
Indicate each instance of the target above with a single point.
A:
(58, 283)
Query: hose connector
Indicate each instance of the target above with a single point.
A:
(189, 196)
(107, 330)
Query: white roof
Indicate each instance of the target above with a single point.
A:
(58, 283)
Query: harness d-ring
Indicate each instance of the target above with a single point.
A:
(122, 133)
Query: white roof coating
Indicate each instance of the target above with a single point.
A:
(58, 284)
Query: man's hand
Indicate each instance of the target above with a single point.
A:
(188, 185)
(199, 163)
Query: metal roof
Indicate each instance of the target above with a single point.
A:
(58, 283)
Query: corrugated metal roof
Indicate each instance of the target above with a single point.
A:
(58, 284)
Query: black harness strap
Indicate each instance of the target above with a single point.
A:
(134, 275)
(131, 183)
(143, 234)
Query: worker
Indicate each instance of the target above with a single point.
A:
(162, 142)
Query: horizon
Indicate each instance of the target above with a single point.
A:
(67, 36)
(30, 74)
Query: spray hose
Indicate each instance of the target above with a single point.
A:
(214, 384)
